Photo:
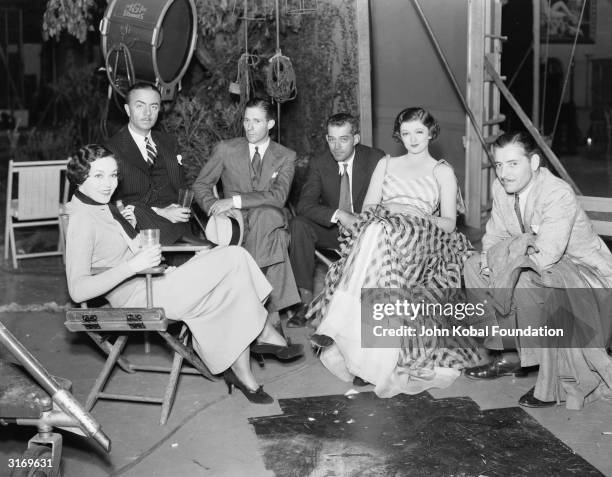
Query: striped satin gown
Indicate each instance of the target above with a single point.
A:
(395, 251)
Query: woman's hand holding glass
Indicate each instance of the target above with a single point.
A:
(150, 251)
(148, 256)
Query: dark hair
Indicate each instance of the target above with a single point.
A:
(263, 103)
(79, 163)
(416, 114)
(140, 85)
(522, 138)
(340, 119)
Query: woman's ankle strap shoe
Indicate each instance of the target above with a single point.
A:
(258, 396)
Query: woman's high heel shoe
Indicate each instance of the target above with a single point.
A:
(257, 397)
(289, 351)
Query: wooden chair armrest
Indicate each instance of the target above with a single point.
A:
(185, 247)
(147, 271)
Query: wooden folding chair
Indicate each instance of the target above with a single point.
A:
(99, 323)
(37, 202)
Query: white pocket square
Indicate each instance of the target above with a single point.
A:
(179, 159)
(535, 228)
(275, 174)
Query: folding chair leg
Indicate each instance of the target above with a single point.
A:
(188, 354)
(326, 261)
(6, 238)
(105, 346)
(113, 356)
(13, 246)
(177, 363)
(147, 342)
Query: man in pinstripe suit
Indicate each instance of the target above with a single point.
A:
(150, 172)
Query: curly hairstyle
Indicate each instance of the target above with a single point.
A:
(79, 163)
(416, 114)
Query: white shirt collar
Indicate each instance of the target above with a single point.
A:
(523, 196)
(349, 163)
(139, 139)
(261, 148)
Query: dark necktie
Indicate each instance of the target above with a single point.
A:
(517, 210)
(257, 163)
(345, 190)
(151, 152)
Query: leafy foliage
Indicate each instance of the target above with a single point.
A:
(197, 131)
(46, 144)
(73, 16)
(79, 94)
(78, 99)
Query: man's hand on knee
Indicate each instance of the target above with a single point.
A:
(221, 206)
(346, 218)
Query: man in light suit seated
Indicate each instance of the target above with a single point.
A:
(256, 174)
(538, 239)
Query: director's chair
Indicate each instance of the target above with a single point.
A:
(102, 323)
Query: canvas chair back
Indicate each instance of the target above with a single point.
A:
(39, 192)
(33, 200)
(38, 188)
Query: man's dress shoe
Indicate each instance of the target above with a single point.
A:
(357, 381)
(321, 341)
(495, 368)
(298, 320)
(529, 400)
(287, 352)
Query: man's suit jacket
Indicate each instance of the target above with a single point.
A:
(230, 161)
(321, 192)
(135, 182)
(134, 178)
(553, 214)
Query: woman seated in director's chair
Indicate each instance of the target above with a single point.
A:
(218, 294)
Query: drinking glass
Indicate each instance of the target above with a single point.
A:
(149, 237)
(185, 198)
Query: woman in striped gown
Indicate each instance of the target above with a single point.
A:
(404, 242)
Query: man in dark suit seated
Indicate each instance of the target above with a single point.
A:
(150, 172)
(333, 193)
(256, 174)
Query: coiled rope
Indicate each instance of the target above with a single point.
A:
(280, 79)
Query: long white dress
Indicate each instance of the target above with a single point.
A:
(391, 250)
